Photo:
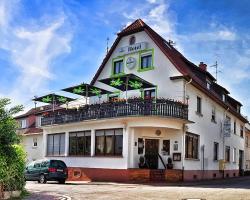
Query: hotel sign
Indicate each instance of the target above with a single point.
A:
(227, 128)
(133, 48)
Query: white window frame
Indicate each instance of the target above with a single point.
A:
(234, 154)
(213, 114)
(23, 123)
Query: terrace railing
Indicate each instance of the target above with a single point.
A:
(134, 107)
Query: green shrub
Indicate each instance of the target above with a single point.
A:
(12, 169)
(12, 155)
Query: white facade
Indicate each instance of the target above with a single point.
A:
(33, 145)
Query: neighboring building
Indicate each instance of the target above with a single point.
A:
(247, 148)
(32, 133)
(179, 112)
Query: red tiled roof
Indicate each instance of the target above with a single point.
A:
(38, 110)
(183, 65)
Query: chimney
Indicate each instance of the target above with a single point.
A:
(203, 66)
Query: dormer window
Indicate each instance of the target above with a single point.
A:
(223, 97)
(238, 108)
(208, 85)
(23, 123)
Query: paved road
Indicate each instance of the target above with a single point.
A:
(230, 189)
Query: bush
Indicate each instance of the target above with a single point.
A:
(12, 169)
(12, 156)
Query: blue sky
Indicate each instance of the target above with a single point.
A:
(49, 45)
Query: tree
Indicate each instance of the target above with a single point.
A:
(12, 156)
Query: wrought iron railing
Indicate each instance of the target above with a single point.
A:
(134, 107)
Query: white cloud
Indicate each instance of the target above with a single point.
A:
(32, 51)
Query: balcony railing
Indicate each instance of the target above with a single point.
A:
(134, 107)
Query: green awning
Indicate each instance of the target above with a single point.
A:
(53, 99)
(86, 90)
(127, 82)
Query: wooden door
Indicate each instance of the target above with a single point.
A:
(151, 153)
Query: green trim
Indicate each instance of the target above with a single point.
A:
(145, 69)
(140, 56)
(113, 66)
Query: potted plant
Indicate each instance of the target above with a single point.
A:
(170, 163)
(141, 162)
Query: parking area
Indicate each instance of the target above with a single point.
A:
(237, 188)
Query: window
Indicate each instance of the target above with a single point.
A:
(80, 143)
(198, 105)
(234, 126)
(166, 147)
(234, 154)
(109, 142)
(216, 151)
(246, 141)
(213, 118)
(118, 67)
(37, 165)
(23, 123)
(238, 108)
(132, 40)
(223, 97)
(241, 131)
(34, 142)
(208, 84)
(146, 61)
(227, 154)
(56, 144)
(38, 121)
(149, 94)
(191, 146)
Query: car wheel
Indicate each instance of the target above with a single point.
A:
(42, 179)
(62, 181)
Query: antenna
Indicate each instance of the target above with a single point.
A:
(171, 42)
(107, 45)
(216, 70)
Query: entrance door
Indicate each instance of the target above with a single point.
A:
(241, 155)
(151, 153)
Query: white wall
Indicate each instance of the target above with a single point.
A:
(33, 153)
(210, 132)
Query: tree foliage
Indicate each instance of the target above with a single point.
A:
(12, 155)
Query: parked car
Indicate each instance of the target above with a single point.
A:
(46, 170)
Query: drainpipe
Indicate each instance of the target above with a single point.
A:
(185, 90)
(223, 139)
(184, 129)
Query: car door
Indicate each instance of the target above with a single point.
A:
(36, 171)
(28, 170)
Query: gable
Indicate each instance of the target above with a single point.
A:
(162, 67)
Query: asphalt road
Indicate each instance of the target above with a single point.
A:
(236, 188)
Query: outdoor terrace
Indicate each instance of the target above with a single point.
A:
(136, 107)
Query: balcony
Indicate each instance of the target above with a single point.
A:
(131, 108)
